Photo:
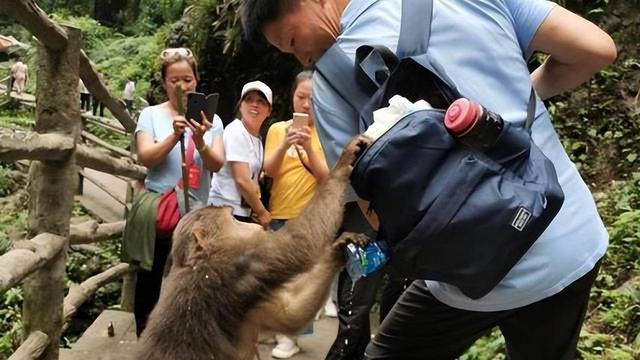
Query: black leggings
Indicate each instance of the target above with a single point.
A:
(148, 283)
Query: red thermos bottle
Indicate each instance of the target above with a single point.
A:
(473, 124)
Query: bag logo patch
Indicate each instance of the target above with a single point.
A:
(521, 219)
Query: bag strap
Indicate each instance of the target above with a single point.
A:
(415, 28)
(306, 167)
(531, 110)
(190, 151)
(338, 70)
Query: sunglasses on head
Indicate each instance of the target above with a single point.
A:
(175, 52)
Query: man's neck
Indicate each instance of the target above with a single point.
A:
(341, 5)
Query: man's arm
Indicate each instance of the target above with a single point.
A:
(577, 49)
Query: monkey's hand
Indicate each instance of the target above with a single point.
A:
(350, 154)
(347, 238)
(352, 238)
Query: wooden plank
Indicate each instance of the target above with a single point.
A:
(107, 189)
(88, 157)
(114, 149)
(105, 125)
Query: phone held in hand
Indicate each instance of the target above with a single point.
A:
(300, 120)
(197, 102)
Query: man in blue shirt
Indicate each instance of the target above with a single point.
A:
(482, 46)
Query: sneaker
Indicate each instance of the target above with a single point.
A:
(286, 347)
(330, 309)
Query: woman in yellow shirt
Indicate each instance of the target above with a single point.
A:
(295, 161)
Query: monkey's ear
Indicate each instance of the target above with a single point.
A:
(200, 235)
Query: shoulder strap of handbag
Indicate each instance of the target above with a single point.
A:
(306, 167)
(188, 159)
(373, 67)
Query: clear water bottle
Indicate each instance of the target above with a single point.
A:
(362, 261)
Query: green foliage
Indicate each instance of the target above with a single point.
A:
(490, 347)
(6, 186)
(603, 346)
(94, 35)
(155, 13)
(81, 266)
(10, 321)
(11, 300)
(74, 7)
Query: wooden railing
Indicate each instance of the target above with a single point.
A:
(55, 150)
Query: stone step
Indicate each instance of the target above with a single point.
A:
(96, 343)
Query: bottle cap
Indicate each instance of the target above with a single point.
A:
(461, 116)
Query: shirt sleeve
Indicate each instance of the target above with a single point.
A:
(274, 138)
(145, 122)
(336, 121)
(528, 16)
(236, 146)
(216, 128)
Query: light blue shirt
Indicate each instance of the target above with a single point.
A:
(481, 46)
(157, 122)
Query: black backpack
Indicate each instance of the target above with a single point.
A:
(449, 212)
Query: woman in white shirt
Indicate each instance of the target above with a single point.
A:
(236, 185)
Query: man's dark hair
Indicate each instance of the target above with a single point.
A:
(255, 14)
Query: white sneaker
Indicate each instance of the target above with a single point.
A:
(330, 309)
(286, 347)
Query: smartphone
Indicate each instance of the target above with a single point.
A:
(197, 102)
(300, 120)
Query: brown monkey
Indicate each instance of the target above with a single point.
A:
(228, 280)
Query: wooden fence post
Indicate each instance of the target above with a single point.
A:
(52, 185)
(128, 294)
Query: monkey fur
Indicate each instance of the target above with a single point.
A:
(228, 281)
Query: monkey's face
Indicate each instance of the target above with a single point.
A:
(212, 230)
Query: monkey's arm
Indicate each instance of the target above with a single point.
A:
(298, 244)
(296, 303)
(293, 305)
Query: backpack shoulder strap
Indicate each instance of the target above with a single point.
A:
(340, 72)
(334, 65)
(415, 28)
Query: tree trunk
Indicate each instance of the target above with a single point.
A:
(51, 186)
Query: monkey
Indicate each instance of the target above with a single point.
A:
(230, 280)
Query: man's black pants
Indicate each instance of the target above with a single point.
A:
(421, 327)
(355, 301)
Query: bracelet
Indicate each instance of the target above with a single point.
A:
(201, 149)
